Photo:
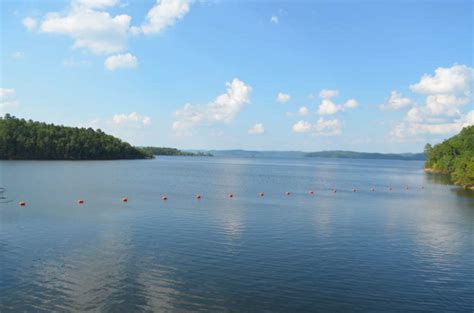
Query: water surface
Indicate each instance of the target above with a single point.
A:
(401, 251)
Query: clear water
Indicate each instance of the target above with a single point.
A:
(400, 251)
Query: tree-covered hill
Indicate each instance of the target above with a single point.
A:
(455, 157)
(29, 140)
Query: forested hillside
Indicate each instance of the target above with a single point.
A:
(454, 157)
(29, 140)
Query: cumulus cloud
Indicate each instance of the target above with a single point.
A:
(222, 110)
(328, 127)
(8, 100)
(283, 97)
(257, 129)
(163, 14)
(274, 19)
(407, 128)
(447, 92)
(133, 120)
(30, 23)
(303, 111)
(329, 107)
(302, 127)
(92, 27)
(395, 102)
(328, 93)
(322, 127)
(121, 61)
(456, 79)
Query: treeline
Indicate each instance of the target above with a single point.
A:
(171, 151)
(367, 155)
(28, 140)
(454, 157)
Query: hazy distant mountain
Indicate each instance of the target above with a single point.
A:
(321, 154)
(367, 155)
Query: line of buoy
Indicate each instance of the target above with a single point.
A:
(231, 195)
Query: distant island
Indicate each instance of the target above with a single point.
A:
(29, 140)
(454, 157)
(172, 151)
(367, 155)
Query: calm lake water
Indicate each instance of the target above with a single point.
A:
(399, 251)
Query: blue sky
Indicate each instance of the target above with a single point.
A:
(383, 76)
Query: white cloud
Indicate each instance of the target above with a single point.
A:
(456, 79)
(133, 120)
(302, 127)
(409, 128)
(97, 31)
(97, 4)
(303, 111)
(257, 129)
(322, 127)
(328, 127)
(329, 107)
(274, 19)
(121, 61)
(447, 92)
(165, 13)
(30, 23)
(395, 102)
(8, 100)
(351, 104)
(92, 27)
(222, 110)
(328, 93)
(282, 97)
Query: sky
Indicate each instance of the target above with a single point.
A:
(375, 76)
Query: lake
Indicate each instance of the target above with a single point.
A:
(403, 250)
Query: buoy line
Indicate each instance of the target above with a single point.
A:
(230, 195)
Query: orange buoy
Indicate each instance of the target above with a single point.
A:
(261, 194)
(288, 193)
(164, 198)
(124, 199)
(80, 201)
(230, 195)
(198, 196)
(22, 203)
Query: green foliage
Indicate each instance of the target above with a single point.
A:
(28, 140)
(455, 157)
(171, 151)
